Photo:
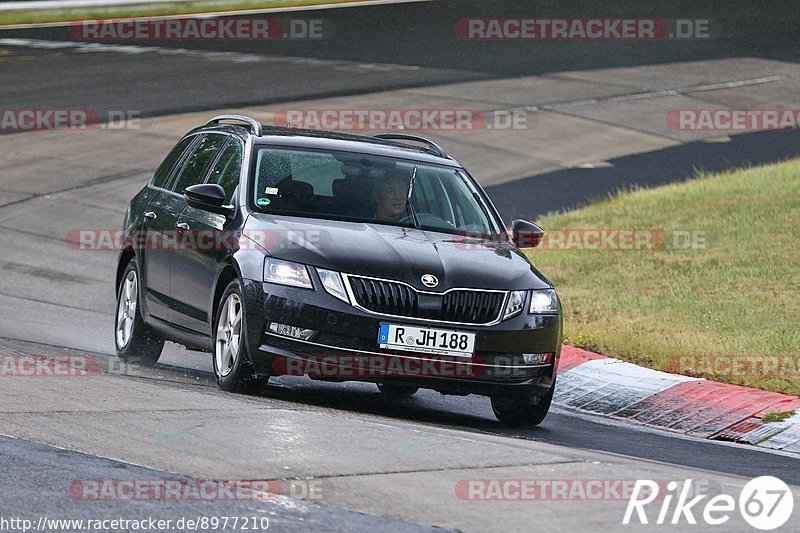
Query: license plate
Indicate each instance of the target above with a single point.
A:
(428, 340)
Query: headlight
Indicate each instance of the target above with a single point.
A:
(516, 299)
(544, 302)
(333, 284)
(286, 273)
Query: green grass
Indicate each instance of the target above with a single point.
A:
(739, 295)
(777, 416)
(200, 6)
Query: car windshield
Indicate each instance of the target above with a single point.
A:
(368, 188)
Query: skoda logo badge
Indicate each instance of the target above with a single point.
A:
(429, 280)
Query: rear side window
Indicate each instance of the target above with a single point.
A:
(194, 171)
(164, 171)
(227, 169)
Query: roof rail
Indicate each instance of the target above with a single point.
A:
(255, 126)
(432, 146)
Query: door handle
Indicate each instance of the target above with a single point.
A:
(183, 226)
(150, 215)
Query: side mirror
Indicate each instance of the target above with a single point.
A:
(208, 197)
(526, 234)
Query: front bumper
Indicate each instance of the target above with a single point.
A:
(345, 347)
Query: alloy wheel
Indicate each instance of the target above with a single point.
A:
(229, 329)
(126, 309)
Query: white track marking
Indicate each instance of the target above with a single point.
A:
(229, 57)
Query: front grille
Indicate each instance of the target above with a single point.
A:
(385, 296)
(474, 307)
(393, 298)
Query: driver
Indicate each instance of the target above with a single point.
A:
(390, 197)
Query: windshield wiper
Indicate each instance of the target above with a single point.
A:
(409, 205)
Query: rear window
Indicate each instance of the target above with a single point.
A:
(228, 168)
(161, 177)
(195, 168)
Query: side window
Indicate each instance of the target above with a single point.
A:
(316, 169)
(165, 169)
(227, 170)
(194, 171)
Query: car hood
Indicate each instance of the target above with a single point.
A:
(396, 253)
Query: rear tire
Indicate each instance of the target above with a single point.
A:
(233, 367)
(136, 342)
(399, 391)
(518, 414)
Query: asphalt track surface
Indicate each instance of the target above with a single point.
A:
(414, 44)
(400, 45)
(30, 466)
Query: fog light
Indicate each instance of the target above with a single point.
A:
(291, 331)
(537, 358)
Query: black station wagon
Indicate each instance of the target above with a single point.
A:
(340, 257)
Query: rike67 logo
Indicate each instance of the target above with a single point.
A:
(766, 503)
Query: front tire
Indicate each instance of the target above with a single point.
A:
(135, 341)
(233, 368)
(518, 414)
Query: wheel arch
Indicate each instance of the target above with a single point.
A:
(125, 257)
(228, 273)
